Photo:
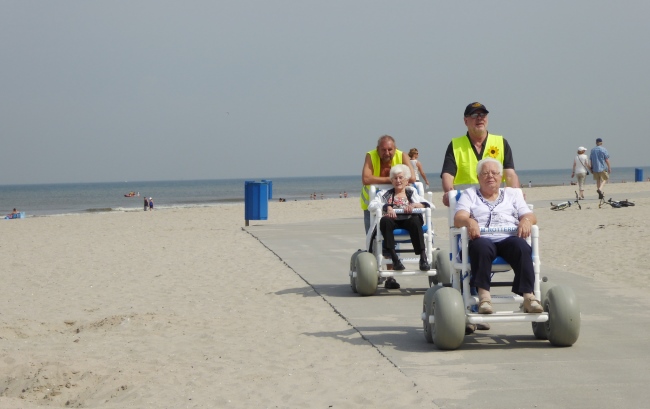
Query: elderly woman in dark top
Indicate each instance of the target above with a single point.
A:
(490, 205)
(405, 197)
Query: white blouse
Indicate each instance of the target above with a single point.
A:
(505, 211)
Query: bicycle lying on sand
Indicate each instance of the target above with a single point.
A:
(615, 204)
(567, 204)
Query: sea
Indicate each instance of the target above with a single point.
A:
(38, 200)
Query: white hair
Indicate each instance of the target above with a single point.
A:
(479, 166)
(401, 168)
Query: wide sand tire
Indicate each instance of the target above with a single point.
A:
(449, 318)
(426, 309)
(353, 264)
(367, 274)
(563, 325)
(443, 267)
(539, 328)
(433, 280)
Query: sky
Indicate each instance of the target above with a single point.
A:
(109, 91)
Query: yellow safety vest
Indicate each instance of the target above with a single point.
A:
(376, 166)
(466, 159)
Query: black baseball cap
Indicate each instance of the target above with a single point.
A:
(473, 107)
(599, 140)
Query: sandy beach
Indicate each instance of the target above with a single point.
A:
(184, 308)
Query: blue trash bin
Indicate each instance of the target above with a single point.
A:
(270, 183)
(256, 200)
(638, 175)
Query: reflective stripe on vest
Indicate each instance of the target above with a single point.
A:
(466, 159)
(376, 167)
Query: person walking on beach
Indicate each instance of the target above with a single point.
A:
(376, 170)
(150, 204)
(146, 204)
(464, 152)
(600, 167)
(580, 169)
(417, 166)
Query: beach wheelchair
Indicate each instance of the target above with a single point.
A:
(447, 309)
(369, 268)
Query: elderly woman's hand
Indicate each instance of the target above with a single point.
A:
(473, 231)
(390, 212)
(524, 228)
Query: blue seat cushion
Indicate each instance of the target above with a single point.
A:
(404, 232)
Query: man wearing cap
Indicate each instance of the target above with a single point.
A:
(463, 155)
(581, 169)
(376, 170)
(600, 167)
(464, 152)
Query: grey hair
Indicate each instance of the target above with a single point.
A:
(385, 137)
(479, 166)
(397, 169)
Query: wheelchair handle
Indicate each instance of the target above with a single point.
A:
(415, 210)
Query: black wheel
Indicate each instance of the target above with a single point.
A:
(448, 329)
(443, 267)
(353, 263)
(539, 328)
(426, 309)
(367, 274)
(563, 325)
(433, 280)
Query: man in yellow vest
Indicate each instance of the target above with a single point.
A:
(376, 170)
(464, 152)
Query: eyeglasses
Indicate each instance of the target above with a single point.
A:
(399, 177)
(490, 173)
(477, 115)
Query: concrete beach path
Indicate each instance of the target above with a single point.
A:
(505, 367)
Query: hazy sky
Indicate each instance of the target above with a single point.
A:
(156, 90)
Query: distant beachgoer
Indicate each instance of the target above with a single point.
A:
(417, 166)
(530, 183)
(150, 203)
(340, 195)
(581, 169)
(146, 204)
(345, 194)
(600, 167)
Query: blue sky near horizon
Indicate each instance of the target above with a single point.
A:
(161, 90)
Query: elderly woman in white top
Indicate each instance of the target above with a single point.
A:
(401, 196)
(581, 169)
(489, 205)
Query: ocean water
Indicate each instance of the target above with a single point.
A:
(76, 198)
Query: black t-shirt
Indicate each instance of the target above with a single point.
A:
(449, 165)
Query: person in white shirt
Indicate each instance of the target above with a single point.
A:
(581, 169)
(491, 206)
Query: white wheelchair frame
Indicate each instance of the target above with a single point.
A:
(447, 308)
(367, 269)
